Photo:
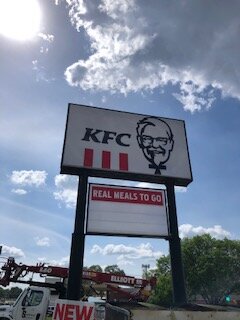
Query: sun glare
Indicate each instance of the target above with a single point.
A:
(19, 19)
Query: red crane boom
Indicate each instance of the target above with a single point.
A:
(14, 272)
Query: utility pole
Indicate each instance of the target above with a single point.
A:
(145, 268)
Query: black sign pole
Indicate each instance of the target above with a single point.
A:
(74, 289)
(179, 291)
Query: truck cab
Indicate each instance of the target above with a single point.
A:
(31, 304)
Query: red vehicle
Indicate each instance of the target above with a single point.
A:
(14, 272)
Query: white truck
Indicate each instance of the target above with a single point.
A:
(4, 310)
(32, 303)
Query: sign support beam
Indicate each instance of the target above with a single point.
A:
(74, 289)
(179, 291)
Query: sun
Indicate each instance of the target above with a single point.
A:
(20, 19)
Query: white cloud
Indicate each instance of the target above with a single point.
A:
(42, 242)
(42, 50)
(104, 99)
(46, 37)
(114, 8)
(193, 97)
(28, 178)
(19, 191)
(40, 71)
(67, 196)
(217, 231)
(150, 185)
(61, 262)
(158, 186)
(180, 189)
(41, 259)
(122, 261)
(127, 254)
(12, 251)
(139, 45)
(66, 190)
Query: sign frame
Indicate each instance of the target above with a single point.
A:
(179, 174)
(166, 237)
(123, 175)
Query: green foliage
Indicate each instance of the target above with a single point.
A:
(212, 269)
(163, 266)
(12, 293)
(163, 292)
(114, 269)
(95, 267)
(2, 293)
(89, 289)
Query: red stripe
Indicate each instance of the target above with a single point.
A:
(106, 160)
(123, 161)
(88, 158)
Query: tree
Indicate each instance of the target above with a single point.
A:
(11, 293)
(2, 293)
(14, 292)
(95, 267)
(162, 294)
(114, 269)
(211, 266)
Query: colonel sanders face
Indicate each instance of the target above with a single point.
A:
(155, 138)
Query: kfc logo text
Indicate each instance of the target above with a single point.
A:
(102, 136)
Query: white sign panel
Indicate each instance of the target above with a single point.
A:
(132, 146)
(116, 210)
(73, 310)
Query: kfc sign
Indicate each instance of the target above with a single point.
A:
(132, 146)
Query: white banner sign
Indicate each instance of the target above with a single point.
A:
(73, 310)
(132, 146)
(116, 210)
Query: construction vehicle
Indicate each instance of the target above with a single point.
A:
(33, 302)
(12, 272)
(35, 299)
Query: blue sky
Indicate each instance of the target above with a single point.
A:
(168, 59)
